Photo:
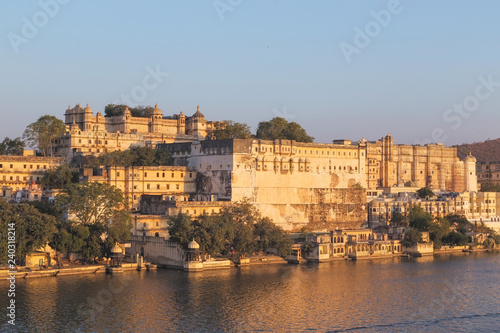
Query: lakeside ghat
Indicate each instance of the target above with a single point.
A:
(452, 292)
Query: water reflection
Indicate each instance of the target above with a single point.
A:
(442, 293)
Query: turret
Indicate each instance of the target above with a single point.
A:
(470, 173)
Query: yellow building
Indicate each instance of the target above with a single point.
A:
(23, 173)
(432, 166)
(488, 173)
(87, 134)
(175, 183)
(475, 206)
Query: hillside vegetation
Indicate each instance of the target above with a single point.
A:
(487, 151)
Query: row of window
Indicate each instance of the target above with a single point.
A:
(163, 174)
(25, 166)
(310, 152)
(158, 187)
(11, 178)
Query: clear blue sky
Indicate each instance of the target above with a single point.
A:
(262, 59)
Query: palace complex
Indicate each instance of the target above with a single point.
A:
(314, 185)
(87, 134)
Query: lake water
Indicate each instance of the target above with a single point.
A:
(446, 293)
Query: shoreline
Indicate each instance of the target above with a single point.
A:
(254, 261)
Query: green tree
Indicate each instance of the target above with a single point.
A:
(425, 192)
(269, 235)
(181, 229)
(32, 229)
(112, 110)
(398, 218)
(457, 239)
(439, 228)
(460, 222)
(490, 187)
(43, 132)
(210, 231)
(134, 156)
(229, 129)
(12, 147)
(94, 203)
(280, 128)
(419, 219)
(60, 177)
(411, 238)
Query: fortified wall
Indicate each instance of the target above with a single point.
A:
(295, 184)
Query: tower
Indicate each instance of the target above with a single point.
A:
(470, 173)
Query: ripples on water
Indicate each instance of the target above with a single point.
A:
(452, 293)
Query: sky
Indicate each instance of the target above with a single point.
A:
(424, 71)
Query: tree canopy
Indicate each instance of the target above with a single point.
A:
(490, 187)
(280, 128)
(411, 238)
(32, 229)
(93, 203)
(12, 146)
(229, 129)
(134, 156)
(60, 177)
(239, 228)
(43, 132)
(112, 110)
(419, 219)
(425, 192)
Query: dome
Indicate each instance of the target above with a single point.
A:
(198, 114)
(470, 158)
(193, 245)
(157, 110)
(127, 111)
(88, 109)
(116, 249)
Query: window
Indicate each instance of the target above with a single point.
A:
(168, 187)
(177, 186)
(24, 166)
(1, 166)
(45, 167)
(148, 186)
(31, 166)
(118, 174)
(163, 175)
(158, 186)
(191, 174)
(145, 174)
(158, 174)
(172, 175)
(182, 174)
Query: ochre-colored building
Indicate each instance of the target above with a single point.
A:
(21, 175)
(87, 134)
(432, 165)
(295, 184)
(172, 183)
(488, 173)
(475, 206)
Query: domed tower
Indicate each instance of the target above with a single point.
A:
(199, 124)
(69, 116)
(126, 120)
(87, 118)
(470, 173)
(156, 118)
